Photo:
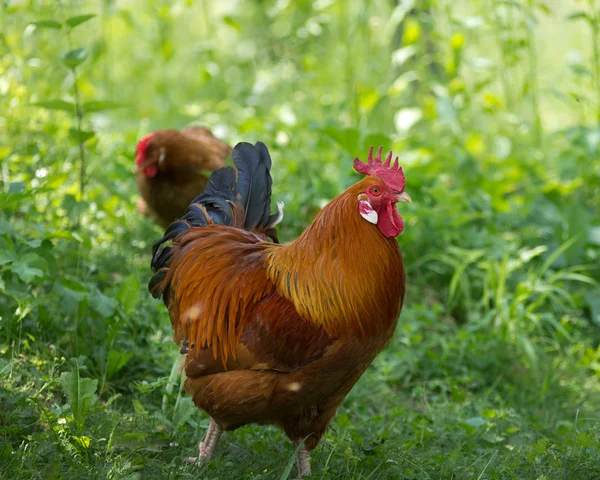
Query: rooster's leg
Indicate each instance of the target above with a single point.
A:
(303, 462)
(207, 446)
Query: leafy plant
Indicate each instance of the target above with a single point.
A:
(81, 394)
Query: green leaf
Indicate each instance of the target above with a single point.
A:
(593, 302)
(74, 286)
(129, 293)
(102, 304)
(527, 254)
(78, 237)
(76, 57)
(579, 69)
(71, 293)
(30, 266)
(79, 19)
(80, 136)
(557, 326)
(113, 398)
(56, 105)
(144, 387)
(446, 110)
(228, 20)
(116, 361)
(48, 24)
(456, 279)
(80, 393)
(99, 105)
(83, 441)
(17, 187)
(528, 349)
(400, 56)
(347, 138)
(544, 7)
(140, 411)
(7, 256)
(489, 413)
(576, 277)
(578, 16)
(556, 254)
(594, 236)
(475, 421)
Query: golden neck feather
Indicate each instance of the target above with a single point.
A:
(341, 273)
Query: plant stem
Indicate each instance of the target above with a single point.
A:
(106, 36)
(79, 117)
(79, 113)
(595, 25)
(533, 81)
(347, 32)
(498, 26)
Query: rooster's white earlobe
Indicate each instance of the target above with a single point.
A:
(366, 210)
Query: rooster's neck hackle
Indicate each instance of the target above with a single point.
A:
(342, 273)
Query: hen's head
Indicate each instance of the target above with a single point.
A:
(377, 204)
(149, 156)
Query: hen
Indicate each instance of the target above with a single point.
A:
(171, 169)
(278, 334)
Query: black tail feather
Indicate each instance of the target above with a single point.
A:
(222, 182)
(248, 189)
(253, 182)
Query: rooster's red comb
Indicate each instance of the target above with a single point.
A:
(391, 174)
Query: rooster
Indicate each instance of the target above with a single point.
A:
(278, 334)
(170, 169)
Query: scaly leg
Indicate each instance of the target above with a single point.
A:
(207, 447)
(303, 462)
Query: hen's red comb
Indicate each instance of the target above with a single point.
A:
(140, 151)
(391, 174)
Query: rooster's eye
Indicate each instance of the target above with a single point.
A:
(376, 191)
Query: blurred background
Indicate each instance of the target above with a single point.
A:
(493, 107)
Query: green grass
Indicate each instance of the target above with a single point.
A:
(494, 371)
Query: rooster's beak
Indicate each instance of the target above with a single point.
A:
(404, 197)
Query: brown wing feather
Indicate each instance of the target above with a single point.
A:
(280, 339)
(274, 337)
(216, 274)
(224, 307)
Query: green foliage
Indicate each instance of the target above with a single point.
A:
(81, 394)
(493, 108)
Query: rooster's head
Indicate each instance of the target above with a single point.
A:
(377, 204)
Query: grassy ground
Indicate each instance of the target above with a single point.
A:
(494, 372)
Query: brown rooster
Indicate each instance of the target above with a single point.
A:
(170, 169)
(279, 334)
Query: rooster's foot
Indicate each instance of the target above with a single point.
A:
(303, 462)
(207, 447)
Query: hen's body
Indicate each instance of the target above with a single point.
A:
(182, 159)
(279, 334)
